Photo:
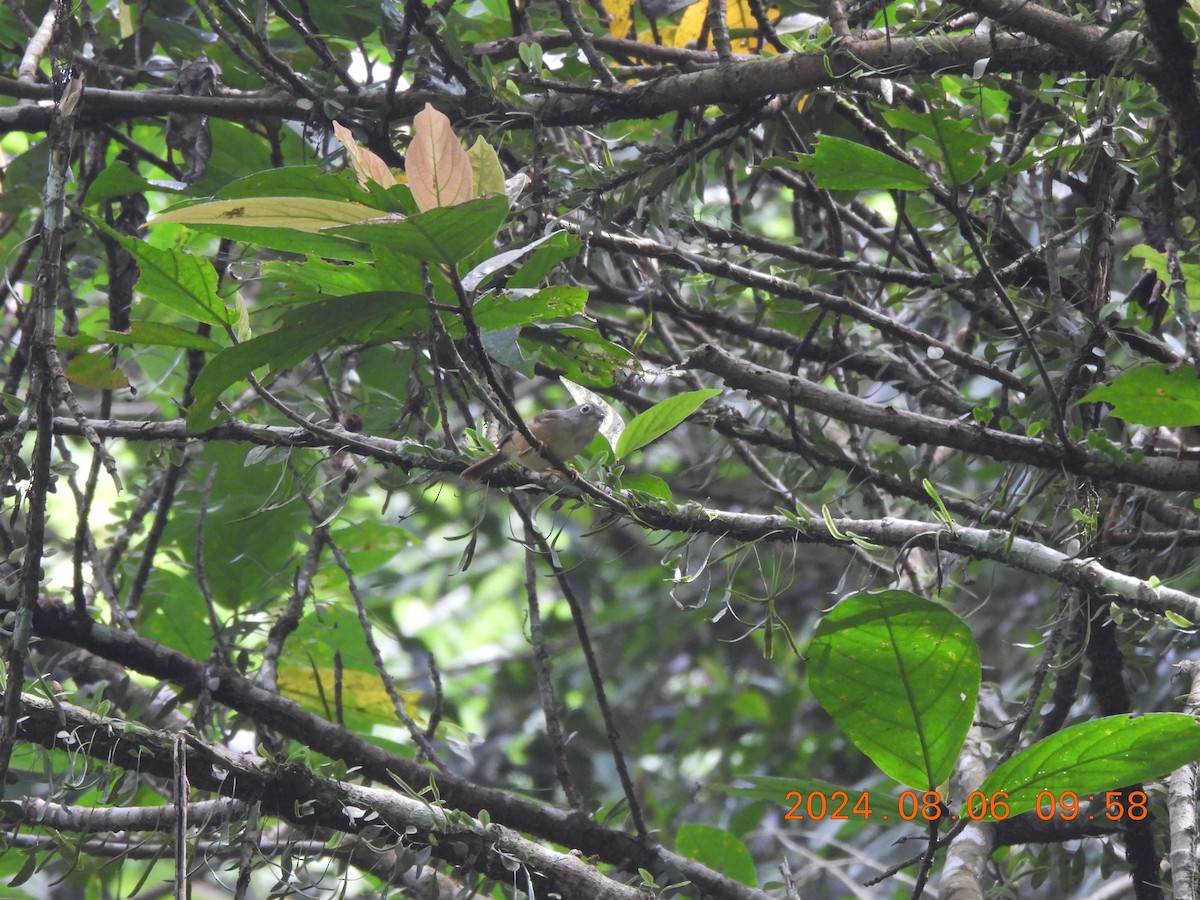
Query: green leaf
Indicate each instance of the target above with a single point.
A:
(95, 369)
(446, 235)
(377, 315)
(900, 676)
(717, 849)
(27, 870)
(478, 275)
(289, 241)
(117, 180)
(155, 334)
(646, 484)
(495, 312)
(557, 247)
(1156, 261)
(486, 169)
(1152, 395)
(180, 281)
(174, 613)
(838, 164)
(659, 419)
(502, 346)
(296, 181)
(1101, 755)
(955, 139)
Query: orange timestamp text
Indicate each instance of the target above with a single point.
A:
(927, 806)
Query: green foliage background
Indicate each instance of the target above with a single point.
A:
(857, 298)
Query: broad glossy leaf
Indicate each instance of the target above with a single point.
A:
(444, 236)
(718, 849)
(296, 181)
(838, 164)
(156, 334)
(1152, 395)
(177, 280)
(900, 677)
(503, 347)
(557, 247)
(659, 419)
(490, 266)
(954, 137)
(95, 369)
(116, 180)
(496, 312)
(645, 483)
(305, 330)
(1102, 755)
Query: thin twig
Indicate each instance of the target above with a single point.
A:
(541, 657)
(593, 666)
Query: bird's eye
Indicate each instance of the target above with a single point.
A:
(586, 408)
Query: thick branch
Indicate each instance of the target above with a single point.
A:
(741, 81)
(569, 829)
(915, 428)
(294, 793)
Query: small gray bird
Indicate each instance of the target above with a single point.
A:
(563, 432)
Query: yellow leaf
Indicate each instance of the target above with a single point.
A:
(620, 14)
(309, 214)
(738, 17)
(125, 20)
(690, 27)
(439, 170)
(362, 693)
(366, 164)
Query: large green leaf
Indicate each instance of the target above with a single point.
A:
(953, 136)
(446, 235)
(377, 315)
(493, 264)
(551, 251)
(838, 164)
(718, 849)
(659, 419)
(177, 280)
(1102, 755)
(1158, 262)
(155, 334)
(117, 180)
(95, 369)
(1152, 395)
(495, 312)
(296, 181)
(900, 676)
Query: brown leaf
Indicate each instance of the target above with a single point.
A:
(366, 163)
(439, 170)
